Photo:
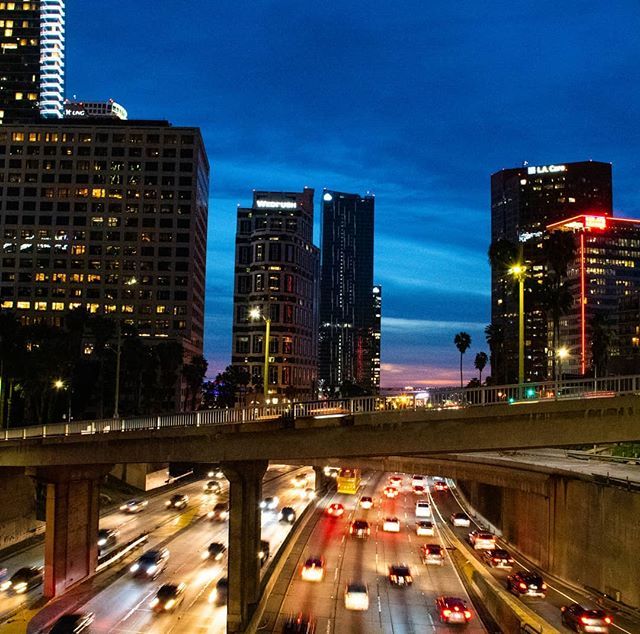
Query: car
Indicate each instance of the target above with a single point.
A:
(313, 569)
(440, 485)
(151, 563)
(396, 480)
(418, 480)
(529, 584)
(400, 575)
(215, 472)
(299, 624)
(425, 528)
(366, 502)
(23, 580)
(219, 513)
(360, 528)
(419, 489)
(498, 558)
(263, 553)
(423, 509)
(215, 551)
(356, 596)
(452, 610)
(212, 487)
(269, 503)
(482, 540)
(73, 623)
(178, 501)
(581, 619)
(460, 519)
(287, 514)
(391, 525)
(300, 480)
(335, 509)
(308, 494)
(219, 594)
(432, 554)
(390, 492)
(107, 538)
(331, 472)
(168, 597)
(134, 506)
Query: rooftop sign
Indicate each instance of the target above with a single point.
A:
(546, 169)
(276, 204)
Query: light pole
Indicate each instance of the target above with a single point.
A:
(254, 314)
(561, 353)
(519, 271)
(59, 384)
(116, 398)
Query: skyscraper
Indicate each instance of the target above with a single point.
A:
(348, 301)
(32, 60)
(276, 273)
(524, 201)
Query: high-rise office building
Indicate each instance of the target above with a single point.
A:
(524, 201)
(276, 272)
(110, 217)
(604, 278)
(93, 109)
(32, 60)
(349, 327)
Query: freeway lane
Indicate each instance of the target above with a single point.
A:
(124, 605)
(558, 595)
(391, 609)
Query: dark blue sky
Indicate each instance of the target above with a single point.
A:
(416, 101)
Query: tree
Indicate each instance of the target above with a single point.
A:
(494, 335)
(463, 342)
(228, 384)
(480, 363)
(503, 254)
(194, 373)
(600, 343)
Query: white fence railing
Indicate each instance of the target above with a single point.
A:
(429, 399)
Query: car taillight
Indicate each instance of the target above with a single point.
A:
(409, 579)
(496, 559)
(522, 586)
(608, 620)
(467, 614)
(544, 586)
(584, 619)
(446, 613)
(394, 578)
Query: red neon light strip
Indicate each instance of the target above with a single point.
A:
(583, 305)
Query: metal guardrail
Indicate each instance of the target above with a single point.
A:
(430, 399)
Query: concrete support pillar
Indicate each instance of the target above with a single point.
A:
(245, 493)
(322, 481)
(72, 510)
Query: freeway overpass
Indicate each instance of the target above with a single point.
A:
(71, 458)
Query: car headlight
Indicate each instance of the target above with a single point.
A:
(135, 568)
(213, 595)
(205, 555)
(218, 556)
(124, 507)
(154, 602)
(102, 542)
(5, 585)
(20, 587)
(261, 554)
(169, 604)
(167, 503)
(210, 514)
(210, 474)
(151, 569)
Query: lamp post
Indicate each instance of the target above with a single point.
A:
(254, 314)
(561, 353)
(519, 271)
(59, 384)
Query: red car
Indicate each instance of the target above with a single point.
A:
(390, 492)
(335, 509)
(452, 610)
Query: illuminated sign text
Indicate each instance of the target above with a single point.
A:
(276, 204)
(546, 169)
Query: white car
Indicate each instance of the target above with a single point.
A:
(391, 525)
(356, 596)
(423, 509)
(300, 480)
(308, 494)
(270, 503)
(460, 519)
(482, 540)
(313, 569)
(366, 502)
(419, 480)
(425, 528)
(134, 506)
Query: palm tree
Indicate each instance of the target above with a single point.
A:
(463, 342)
(494, 334)
(480, 363)
(600, 342)
(194, 373)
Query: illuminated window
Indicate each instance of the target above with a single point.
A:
(19, 96)
(41, 277)
(17, 136)
(57, 306)
(59, 277)
(23, 305)
(93, 308)
(92, 278)
(98, 193)
(127, 308)
(110, 308)
(7, 303)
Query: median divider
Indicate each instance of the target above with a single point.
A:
(274, 571)
(510, 613)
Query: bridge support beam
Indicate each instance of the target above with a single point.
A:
(322, 481)
(245, 493)
(71, 548)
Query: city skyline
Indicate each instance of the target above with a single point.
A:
(427, 170)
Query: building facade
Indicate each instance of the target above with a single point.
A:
(524, 201)
(32, 41)
(94, 109)
(349, 303)
(109, 217)
(276, 273)
(604, 279)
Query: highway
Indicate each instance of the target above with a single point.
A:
(391, 609)
(447, 502)
(123, 605)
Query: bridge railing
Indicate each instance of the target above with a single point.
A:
(428, 399)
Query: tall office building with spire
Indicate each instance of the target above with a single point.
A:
(350, 305)
(31, 60)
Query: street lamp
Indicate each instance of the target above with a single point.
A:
(59, 384)
(561, 353)
(519, 272)
(254, 314)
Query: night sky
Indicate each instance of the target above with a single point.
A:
(418, 102)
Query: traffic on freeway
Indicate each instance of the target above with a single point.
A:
(179, 537)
